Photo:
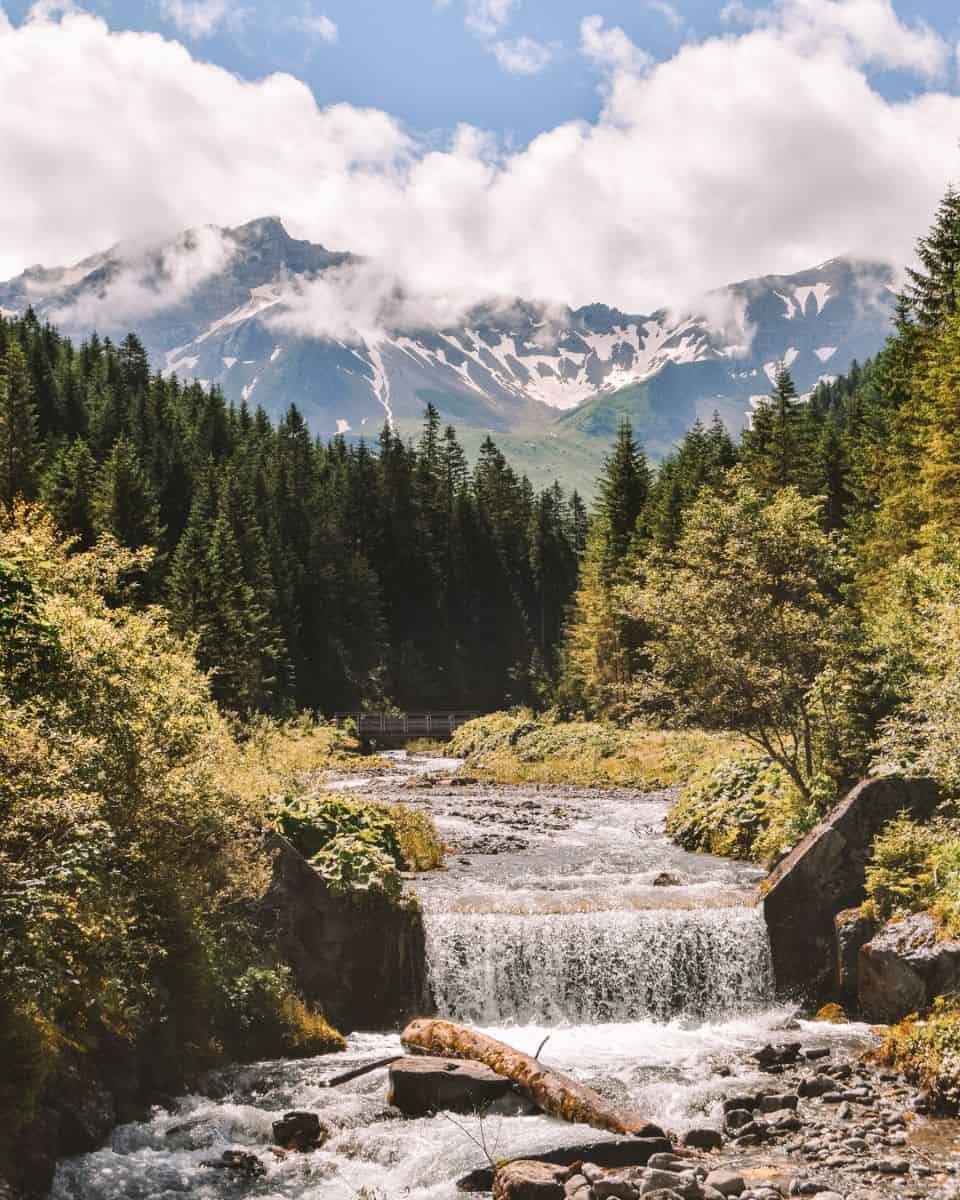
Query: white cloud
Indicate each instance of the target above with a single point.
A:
(316, 25)
(864, 31)
(486, 18)
(761, 151)
(610, 49)
(149, 280)
(200, 18)
(666, 10)
(523, 56)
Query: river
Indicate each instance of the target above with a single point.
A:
(565, 914)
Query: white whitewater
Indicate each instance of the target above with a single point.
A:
(589, 968)
(548, 922)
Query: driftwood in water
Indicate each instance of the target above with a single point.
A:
(358, 1071)
(549, 1090)
(631, 1152)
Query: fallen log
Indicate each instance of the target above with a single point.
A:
(550, 1091)
(632, 1152)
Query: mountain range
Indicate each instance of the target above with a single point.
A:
(274, 320)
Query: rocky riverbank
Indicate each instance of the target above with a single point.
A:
(824, 1126)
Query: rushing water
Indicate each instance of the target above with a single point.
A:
(565, 914)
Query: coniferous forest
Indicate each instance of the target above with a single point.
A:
(312, 576)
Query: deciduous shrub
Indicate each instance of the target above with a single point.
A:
(404, 834)
(131, 826)
(745, 807)
(928, 1052)
(916, 867)
(353, 866)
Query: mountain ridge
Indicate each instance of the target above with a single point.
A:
(273, 319)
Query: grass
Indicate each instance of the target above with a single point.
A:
(519, 747)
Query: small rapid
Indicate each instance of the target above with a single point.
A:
(592, 968)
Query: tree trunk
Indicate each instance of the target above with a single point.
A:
(549, 1090)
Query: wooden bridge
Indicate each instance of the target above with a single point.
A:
(398, 728)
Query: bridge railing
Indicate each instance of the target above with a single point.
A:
(410, 725)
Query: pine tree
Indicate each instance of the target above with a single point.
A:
(772, 447)
(622, 494)
(68, 489)
(930, 296)
(19, 443)
(124, 503)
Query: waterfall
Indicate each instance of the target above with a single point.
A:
(594, 967)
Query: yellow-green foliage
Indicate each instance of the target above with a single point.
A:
(420, 846)
(916, 867)
(131, 821)
(832, 1014)
(744, 807)
(519, 747)
(406, 835)
(928, 1052)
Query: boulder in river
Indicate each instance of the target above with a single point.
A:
(854, 928)
(528, 1180)
(424, 1084)
(905, 967)
(300, 1131)
(364, 965)
(825, 873)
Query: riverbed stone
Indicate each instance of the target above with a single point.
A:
(853, 928)
(726, 1181)
(703, 1139)
(421, 1084)
(905, 967)
(241, 1162)
(825, 873)
(300, 1131)
(527, 1180)
(616, 1187)
(577, 1187)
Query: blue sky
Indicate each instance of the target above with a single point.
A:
(419, 60)
(639, 152)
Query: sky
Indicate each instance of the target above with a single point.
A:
(634, 151)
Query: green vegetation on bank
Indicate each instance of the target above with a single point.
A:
(133, 823)
(744, 807)
(916, 868)
(927, 1050)
(521, 747)
(360, 847)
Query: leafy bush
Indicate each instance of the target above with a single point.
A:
(916, 868)
(928, 1052)
(312, 822)
(745, 807)
(519, 747)
(420, 847)
(131, 821)
(267, 1017)
(353, 866)
(405, 834)
(917, 628)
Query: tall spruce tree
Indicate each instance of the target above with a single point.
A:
(20, 449)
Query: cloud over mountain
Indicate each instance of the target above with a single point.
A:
(766, 149)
